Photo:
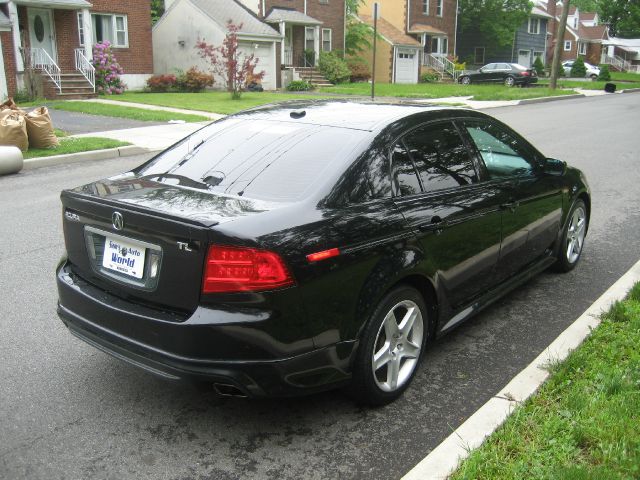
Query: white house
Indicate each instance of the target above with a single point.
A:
(187, 21)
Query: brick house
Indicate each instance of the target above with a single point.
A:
(583, 36)
(307, 26)
(430, 23)
(57, 36)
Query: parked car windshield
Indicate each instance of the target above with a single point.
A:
(262, 159)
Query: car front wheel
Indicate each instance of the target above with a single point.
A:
(573, 237)
(391, 347)
(509, 81)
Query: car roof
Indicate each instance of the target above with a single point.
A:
(353, 114)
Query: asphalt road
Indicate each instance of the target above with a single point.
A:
(69, 411)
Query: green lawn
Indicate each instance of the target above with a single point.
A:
(94, 108)
(584, 422)
(625, 76)
(74, 145)
(215, 102)
(590, 85)
(440, 90)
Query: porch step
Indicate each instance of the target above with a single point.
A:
(73, 85)
(313, 76)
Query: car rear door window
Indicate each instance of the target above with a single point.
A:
(405, 178)
(501, 152)
(440, 157)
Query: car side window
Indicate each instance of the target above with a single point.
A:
(440, 156)
(501, 152)
(403, 172)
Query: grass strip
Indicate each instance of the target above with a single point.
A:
(75, 145)
(94, 108)
(584, 422)
(214, 102)
(442, 90)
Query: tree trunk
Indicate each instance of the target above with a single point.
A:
(557, 51)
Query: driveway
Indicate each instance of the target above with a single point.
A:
(70, 411)
(75, 123)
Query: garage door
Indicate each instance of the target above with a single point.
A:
(264, 53)
(406, 66)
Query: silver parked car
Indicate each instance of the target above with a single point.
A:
(592, 70)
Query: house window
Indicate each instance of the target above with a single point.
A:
(326, 39)
(111, 28)
(425, 7)
(534, 25)
(567, 45)
(478, 55)
(582, 48)
(309, 38)
(439, 7)
(324, 2)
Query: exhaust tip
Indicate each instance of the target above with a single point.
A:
(228, 390)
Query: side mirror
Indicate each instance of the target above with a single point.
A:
(552, 166)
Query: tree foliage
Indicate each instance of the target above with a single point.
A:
(539, 66)
(623, 17)
(578, 70)
(497, 20)
(235, 68)
(157, 9)
(358, 35)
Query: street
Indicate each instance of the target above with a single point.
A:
(70, 411)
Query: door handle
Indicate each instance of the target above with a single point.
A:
(436, 224)
(512, 205)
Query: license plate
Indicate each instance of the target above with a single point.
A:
(123, 257)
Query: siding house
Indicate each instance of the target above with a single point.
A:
(530, 41)
(187, 21)
(419, 33)
(56, 37)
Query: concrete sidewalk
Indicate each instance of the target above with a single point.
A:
(212, 116)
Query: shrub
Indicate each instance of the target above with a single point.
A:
(578, 69)
(161, 83)
(605, 75)
(108, 70)
(360, 70)
(193, 80)
(333, 67)
(429, 77)
(539, 66)
(299, 86)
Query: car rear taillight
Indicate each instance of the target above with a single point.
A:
(240, 269)
(525, 74)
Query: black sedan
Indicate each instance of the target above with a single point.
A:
(295, 248)
(508, 73)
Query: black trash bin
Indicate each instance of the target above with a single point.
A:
(610, 87)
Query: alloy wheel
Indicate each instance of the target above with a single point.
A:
(575, 234)
(397, 346)
(509, 81)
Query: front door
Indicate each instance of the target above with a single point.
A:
(41, 33)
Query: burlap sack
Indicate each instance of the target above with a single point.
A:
(9, 105)
(40, 129)
(13, 131)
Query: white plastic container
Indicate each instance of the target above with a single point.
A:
(11, 160)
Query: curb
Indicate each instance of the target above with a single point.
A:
(550, 99)
(445, 458)
(630, 90)
(107, 154)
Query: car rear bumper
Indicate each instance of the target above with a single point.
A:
(99, 319)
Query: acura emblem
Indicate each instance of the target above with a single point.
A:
(117, 221)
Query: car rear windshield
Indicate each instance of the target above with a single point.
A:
(263, 159)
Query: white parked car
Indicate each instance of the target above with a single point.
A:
(592, 70)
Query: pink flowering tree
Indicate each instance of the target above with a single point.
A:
(108, 70)
(235, 68)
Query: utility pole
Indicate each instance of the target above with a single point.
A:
(557, 51)
(375, 38)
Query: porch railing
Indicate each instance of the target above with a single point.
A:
(288, 57)
(442, 65)
(41, 60)
(616, 61)
(84, 66)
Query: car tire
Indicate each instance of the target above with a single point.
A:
(509, 81)
(391, 346)
(465, 80)
(573, 236)
(594, 77)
